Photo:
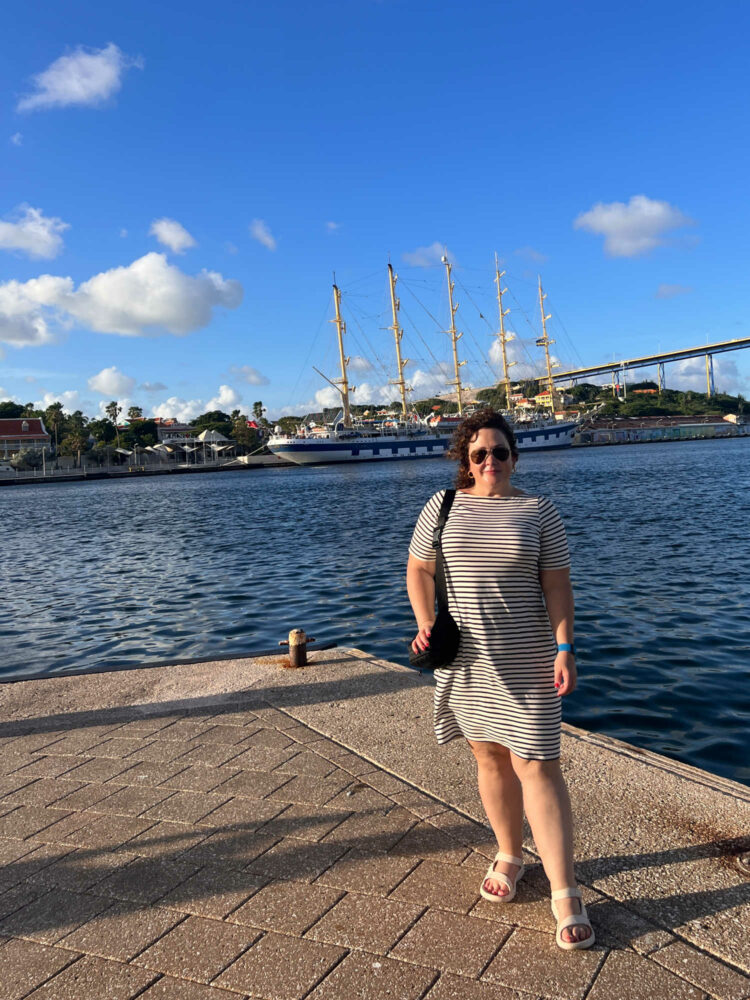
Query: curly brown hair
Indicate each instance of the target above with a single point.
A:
(466, 431)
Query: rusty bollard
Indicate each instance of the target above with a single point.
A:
(297, 643)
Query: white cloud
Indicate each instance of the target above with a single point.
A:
(521, 352)
(669, 291)
(326, 398)
(358, 364)
(70, 399)
(633, 229)
(111, 382)
(152, 387)
(332, 226)
(16, 139)
(427, 256)
(123, 234)
(259, 231)
(84, 77)
(144, 298)
(248, 374)
(231, 247)
(182, 410)
(33, 233)
(171, 234)
(691, 374)
(226, 398)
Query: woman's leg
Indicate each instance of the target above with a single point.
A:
(500, 791)
(547, 804)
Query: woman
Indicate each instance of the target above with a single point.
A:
(509, 591)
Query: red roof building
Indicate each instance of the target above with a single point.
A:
(22, 432)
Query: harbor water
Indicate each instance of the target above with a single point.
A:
(116, 573)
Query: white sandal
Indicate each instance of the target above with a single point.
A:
(502, 877)
(574, 920)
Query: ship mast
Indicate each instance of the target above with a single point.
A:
(342, 384)
(544, 342)
(398, 334)
(503, 313)
(455, 337)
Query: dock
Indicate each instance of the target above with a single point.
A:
(235, 829)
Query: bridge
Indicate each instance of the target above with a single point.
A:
(706, 350)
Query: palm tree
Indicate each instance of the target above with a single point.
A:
(113, 411)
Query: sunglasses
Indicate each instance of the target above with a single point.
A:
(478, 456)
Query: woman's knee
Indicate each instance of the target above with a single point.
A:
(535, 770)
(490, 754)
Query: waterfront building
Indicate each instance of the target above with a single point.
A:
(19, 433)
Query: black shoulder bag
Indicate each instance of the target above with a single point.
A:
(444, 634)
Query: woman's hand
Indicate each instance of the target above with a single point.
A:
(422, 640)
(565, 673)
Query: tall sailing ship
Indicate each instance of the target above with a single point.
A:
(408, 436)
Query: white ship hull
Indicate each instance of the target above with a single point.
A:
(324, 451)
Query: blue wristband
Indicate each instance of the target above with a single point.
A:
(566, 647)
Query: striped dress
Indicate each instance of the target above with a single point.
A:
(500, 688)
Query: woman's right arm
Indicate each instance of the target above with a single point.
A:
(420, 585)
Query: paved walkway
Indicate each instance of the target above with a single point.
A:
(230, 851)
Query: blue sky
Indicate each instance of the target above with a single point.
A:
(180, 181)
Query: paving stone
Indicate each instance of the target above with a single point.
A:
(197, 949)
(186, 807)
(270, 717)
(375, 876)
(281, 968)
(631, 977)
(295, 859)
(65, 831)
(33, 742)
(359, 797)
(115, 747)
(131, 801)
(264, 758)
(53, 915)
(704, 971)
(271, 739)
(180, 989)
(41, 792)
(93, 977)
(353, 764)
(451, 987)
(363, 922)
(44, 767)
(428, 842)
(237, 717)
(107, 831)
(445, 886)
(328, 749)
(473, 835)
(287, 907)
(198, 778)
(386, 784)
(11, 760)
(372, 831)
(86, 795)
(145, 880)
(145, 726)
(96, 769)
(165, 840)
(367, 977)
(148, 773)
(184, 730)
(307, 762)
(12, 850)
(236, 848)
(229, 735)
(242, 814)
(452, 942)
(121, 932)
(79, 870)
(25, 821)
(161, 752)
(26, 965)
(213, 892)
(254, 784)
(214, 754)
(531, 961)
(18, 896)
(305, 822)
(615, 925)
(313, 790)
(420, 804)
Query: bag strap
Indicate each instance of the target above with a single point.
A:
(441, 590)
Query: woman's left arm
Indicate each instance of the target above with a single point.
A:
(558, 596)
